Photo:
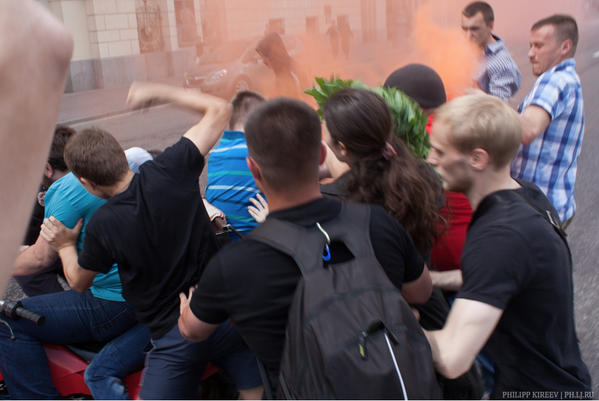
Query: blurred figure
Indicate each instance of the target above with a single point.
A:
(552, 115)
(199, 50)
(291, 78)
(498, 74)
(345, 34)
(30, 37)
(334, 38)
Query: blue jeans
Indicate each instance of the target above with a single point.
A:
(119, 358)
(71, 317)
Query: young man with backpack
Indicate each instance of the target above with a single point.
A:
(253, 281)
(517, 294)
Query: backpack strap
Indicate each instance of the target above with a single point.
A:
(511, 195)
(305, 244)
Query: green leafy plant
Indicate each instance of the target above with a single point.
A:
(409, 121)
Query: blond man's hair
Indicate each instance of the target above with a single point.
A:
(485, 122)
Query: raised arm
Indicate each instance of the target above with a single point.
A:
(216, 111)
(35, 51)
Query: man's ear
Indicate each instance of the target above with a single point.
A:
(254, 169)
(491, 25)
(566, 47)
(323, 153)
(479, 159)
(49, 171)
(85, 181)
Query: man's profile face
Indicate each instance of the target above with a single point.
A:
(476, 29)
(545, 51)
(451, 165)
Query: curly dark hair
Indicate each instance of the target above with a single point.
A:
(403, 185)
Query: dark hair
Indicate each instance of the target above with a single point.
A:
(565, 28)
(284, 138)
(480, 7)
(419, 82)
(403, 185)
(244, 103)
(62, 135)
(95, 155)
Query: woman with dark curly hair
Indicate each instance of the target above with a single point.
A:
(359, 131)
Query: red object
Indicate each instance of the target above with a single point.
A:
(458, 214)
(68, 371)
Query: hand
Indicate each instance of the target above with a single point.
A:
(473, 91)
(185, 300)
(141, 95)
(59, 236)
(259, 212)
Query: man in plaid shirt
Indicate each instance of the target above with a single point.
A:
(552, 115)
(497, 73)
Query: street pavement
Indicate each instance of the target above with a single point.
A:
(162, 125)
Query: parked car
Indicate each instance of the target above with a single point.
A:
(235, 66)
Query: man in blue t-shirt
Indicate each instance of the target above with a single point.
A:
(230, 182)
(98, 313)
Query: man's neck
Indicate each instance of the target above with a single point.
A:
(491, 182)
(120, 186)
(287, 200)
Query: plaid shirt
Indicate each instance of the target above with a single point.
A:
(498, 74)
(551, 160)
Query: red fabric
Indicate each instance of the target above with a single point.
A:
(458, 214)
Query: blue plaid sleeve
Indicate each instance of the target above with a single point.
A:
(551, 94)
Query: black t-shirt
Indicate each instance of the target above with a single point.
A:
(514, 260)
(254, 284)
(158, 232)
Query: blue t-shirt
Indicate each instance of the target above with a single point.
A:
(230, 182)
(68, 201)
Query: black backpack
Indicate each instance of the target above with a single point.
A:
(350, 333)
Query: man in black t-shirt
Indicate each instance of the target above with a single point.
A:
(252, 283)
(155, 226)
(517, 292)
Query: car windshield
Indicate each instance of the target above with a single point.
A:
(226, 54)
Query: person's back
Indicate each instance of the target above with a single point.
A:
(230, 182)
(254, 283)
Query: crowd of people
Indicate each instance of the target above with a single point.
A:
(473, 238)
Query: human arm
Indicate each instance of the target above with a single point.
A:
(35, 258)
(191, 328)
(216, 111)
(534, 120)
(63, 240)
(450, 280)
(468, 327)
(30, 37)
(419, 290)
(504, 83)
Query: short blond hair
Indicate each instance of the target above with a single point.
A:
(485, 122)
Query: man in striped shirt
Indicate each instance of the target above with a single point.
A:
(552, 115)
(230, 182)
(497, 74)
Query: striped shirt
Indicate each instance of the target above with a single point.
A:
(230, 182)
(551, 160)
(498, 74)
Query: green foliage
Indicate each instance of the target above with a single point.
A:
(409, 121)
